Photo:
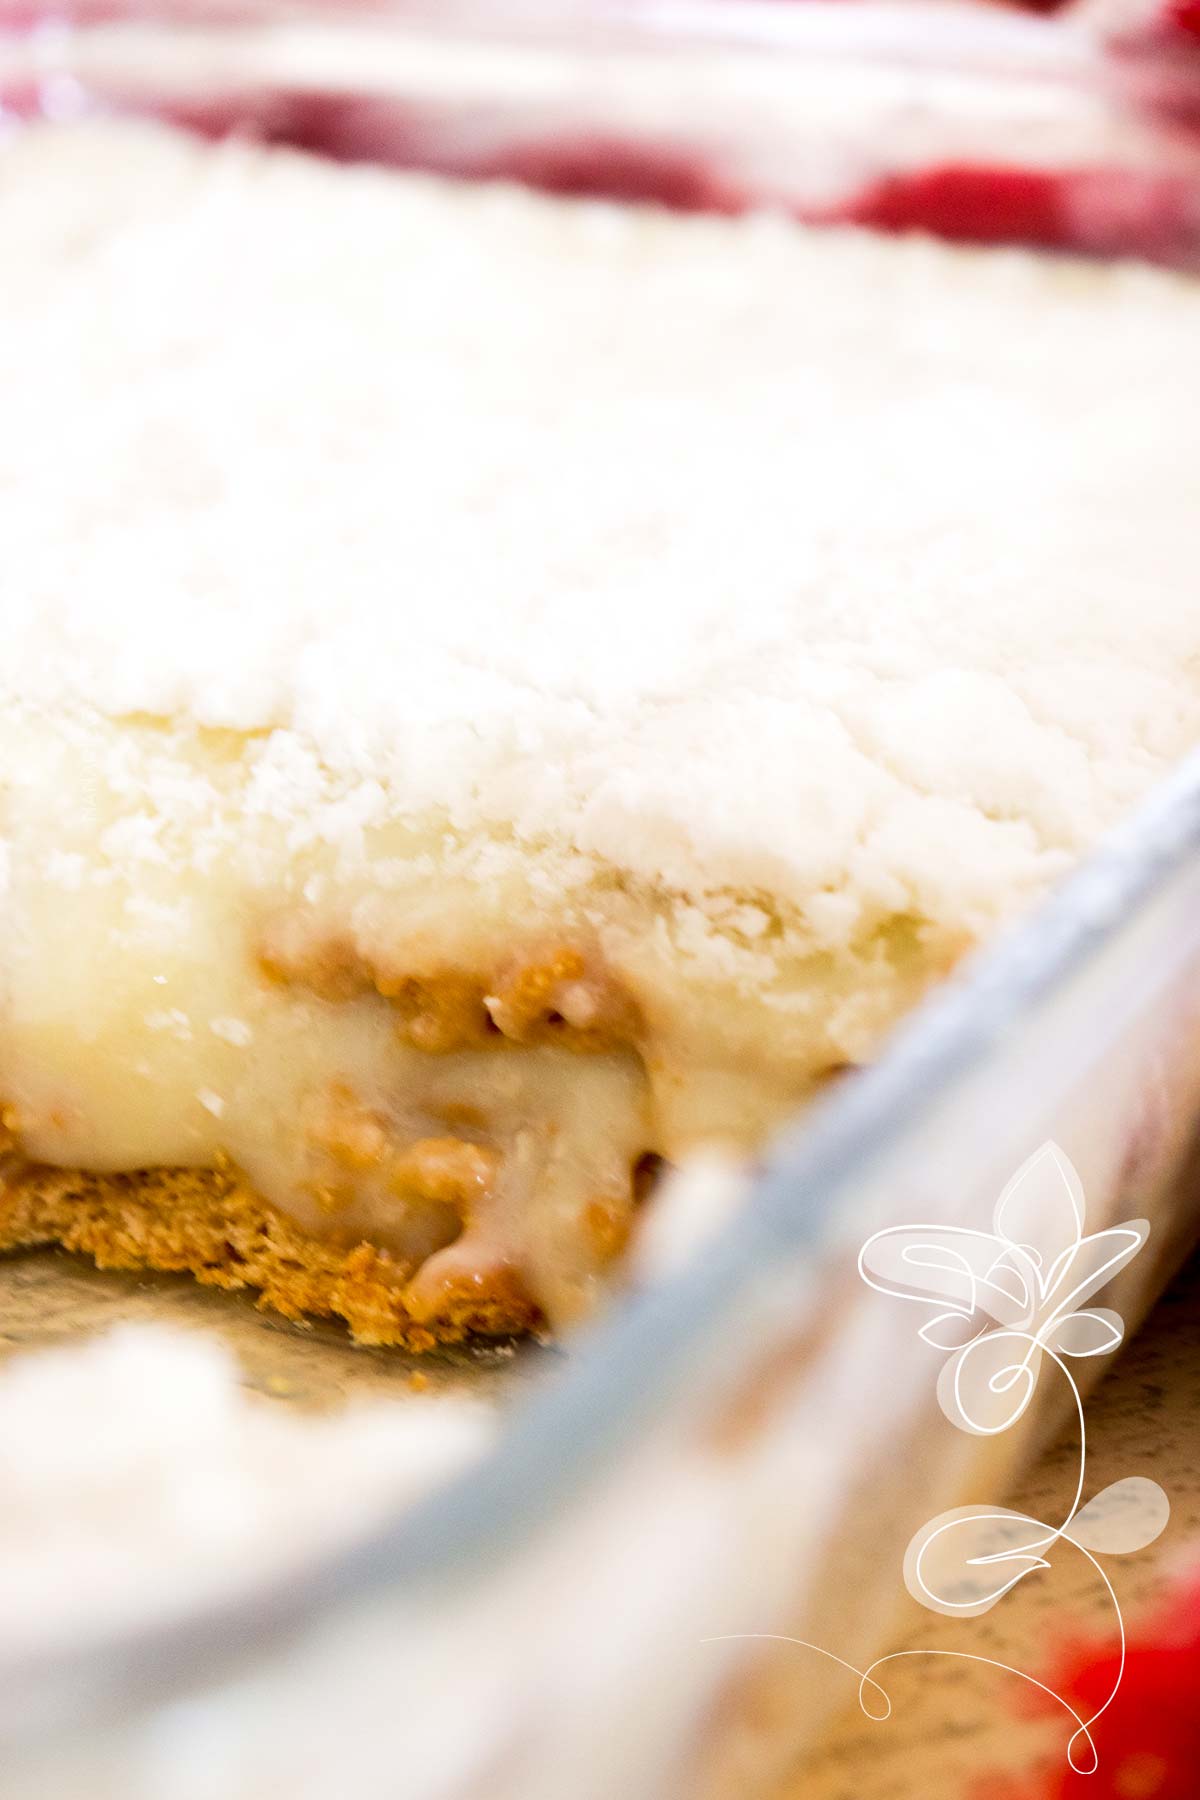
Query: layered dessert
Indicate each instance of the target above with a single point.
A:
(501, 692)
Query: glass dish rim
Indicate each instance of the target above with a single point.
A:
(1002, 44)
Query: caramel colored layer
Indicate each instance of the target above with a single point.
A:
(561, 996)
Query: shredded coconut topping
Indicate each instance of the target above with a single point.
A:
(752, 561)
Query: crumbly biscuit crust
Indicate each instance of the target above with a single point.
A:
(210, 1223)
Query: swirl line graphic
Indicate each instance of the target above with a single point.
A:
(1001, 1303)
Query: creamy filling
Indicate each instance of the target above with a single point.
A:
(485, 1131)
(386, 1055)
(474, 1099)
(470, 1167)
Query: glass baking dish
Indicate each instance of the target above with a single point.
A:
(692, 1534)
(973, 120)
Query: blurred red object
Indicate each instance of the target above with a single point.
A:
(1148, 1740)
